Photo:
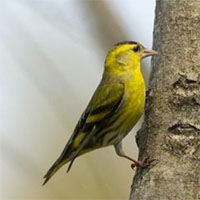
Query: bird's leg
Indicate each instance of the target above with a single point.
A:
(138, 164)
(145, 163)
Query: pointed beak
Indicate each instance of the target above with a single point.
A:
(149, 52)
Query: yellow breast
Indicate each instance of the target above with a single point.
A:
(135, 100)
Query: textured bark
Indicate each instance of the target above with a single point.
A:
(171, 129)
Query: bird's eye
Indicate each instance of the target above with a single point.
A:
(136, 49)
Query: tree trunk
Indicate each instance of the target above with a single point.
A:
(171, 129)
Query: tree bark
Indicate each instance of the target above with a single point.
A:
(171, 129)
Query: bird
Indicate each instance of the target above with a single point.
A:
(114, 109)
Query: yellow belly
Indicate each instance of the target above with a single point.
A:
(134, 103)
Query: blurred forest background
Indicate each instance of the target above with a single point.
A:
(51, 59)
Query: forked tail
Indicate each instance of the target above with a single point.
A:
(54, 168)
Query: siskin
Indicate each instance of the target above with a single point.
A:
(113, 110)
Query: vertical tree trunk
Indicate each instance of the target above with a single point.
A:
(171, 129)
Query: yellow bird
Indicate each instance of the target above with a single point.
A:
(113, 110)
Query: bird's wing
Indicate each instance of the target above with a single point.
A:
(105, 102)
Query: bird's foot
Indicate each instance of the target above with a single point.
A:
(142, 164)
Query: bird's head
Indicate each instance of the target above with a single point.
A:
(126, 56)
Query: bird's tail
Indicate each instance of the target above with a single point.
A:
(54, 168)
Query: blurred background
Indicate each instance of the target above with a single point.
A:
(51, 60)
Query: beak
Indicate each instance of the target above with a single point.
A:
(148, 52)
